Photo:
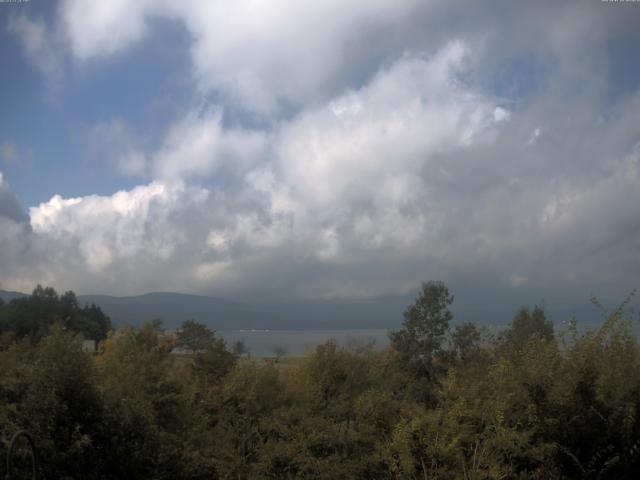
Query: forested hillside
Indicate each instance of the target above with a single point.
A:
(443, 401)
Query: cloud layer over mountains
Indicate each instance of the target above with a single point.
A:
(351, 150)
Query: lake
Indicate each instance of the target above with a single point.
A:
(261, 343)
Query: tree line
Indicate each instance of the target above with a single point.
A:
(442, 401)
(33, 317)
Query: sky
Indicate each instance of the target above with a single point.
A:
(322, 149)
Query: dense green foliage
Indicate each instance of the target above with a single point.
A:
(33, 317)
(442, 402)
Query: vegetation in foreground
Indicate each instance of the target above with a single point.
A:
(442, 401)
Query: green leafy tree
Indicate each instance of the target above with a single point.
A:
(466, 341)
(144, 407)
(420, 343)
(321, 429)
(426, 323)
(597, 398)
(49, 391)
(244, 404)
(213, 361)
(525, 326)
(194, 336)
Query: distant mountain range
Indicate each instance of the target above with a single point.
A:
(8, 296)
(222, 314)
(378, 313)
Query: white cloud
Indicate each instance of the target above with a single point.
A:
(361, 159)
(118, 226)
(346, 179)
(163, 235)
(191, 147)
(500, 114)
(261, 55)
(195, 145)
(333, 168)
(412, 170)
(103, 28)
(129, 231)
(264, 53)
(266, 57)
(198, 145)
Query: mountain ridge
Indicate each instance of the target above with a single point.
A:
(384, 312)
(225, 314)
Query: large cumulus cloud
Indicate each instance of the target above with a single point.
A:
(381, 143)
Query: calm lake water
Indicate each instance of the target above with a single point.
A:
(298, 342)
